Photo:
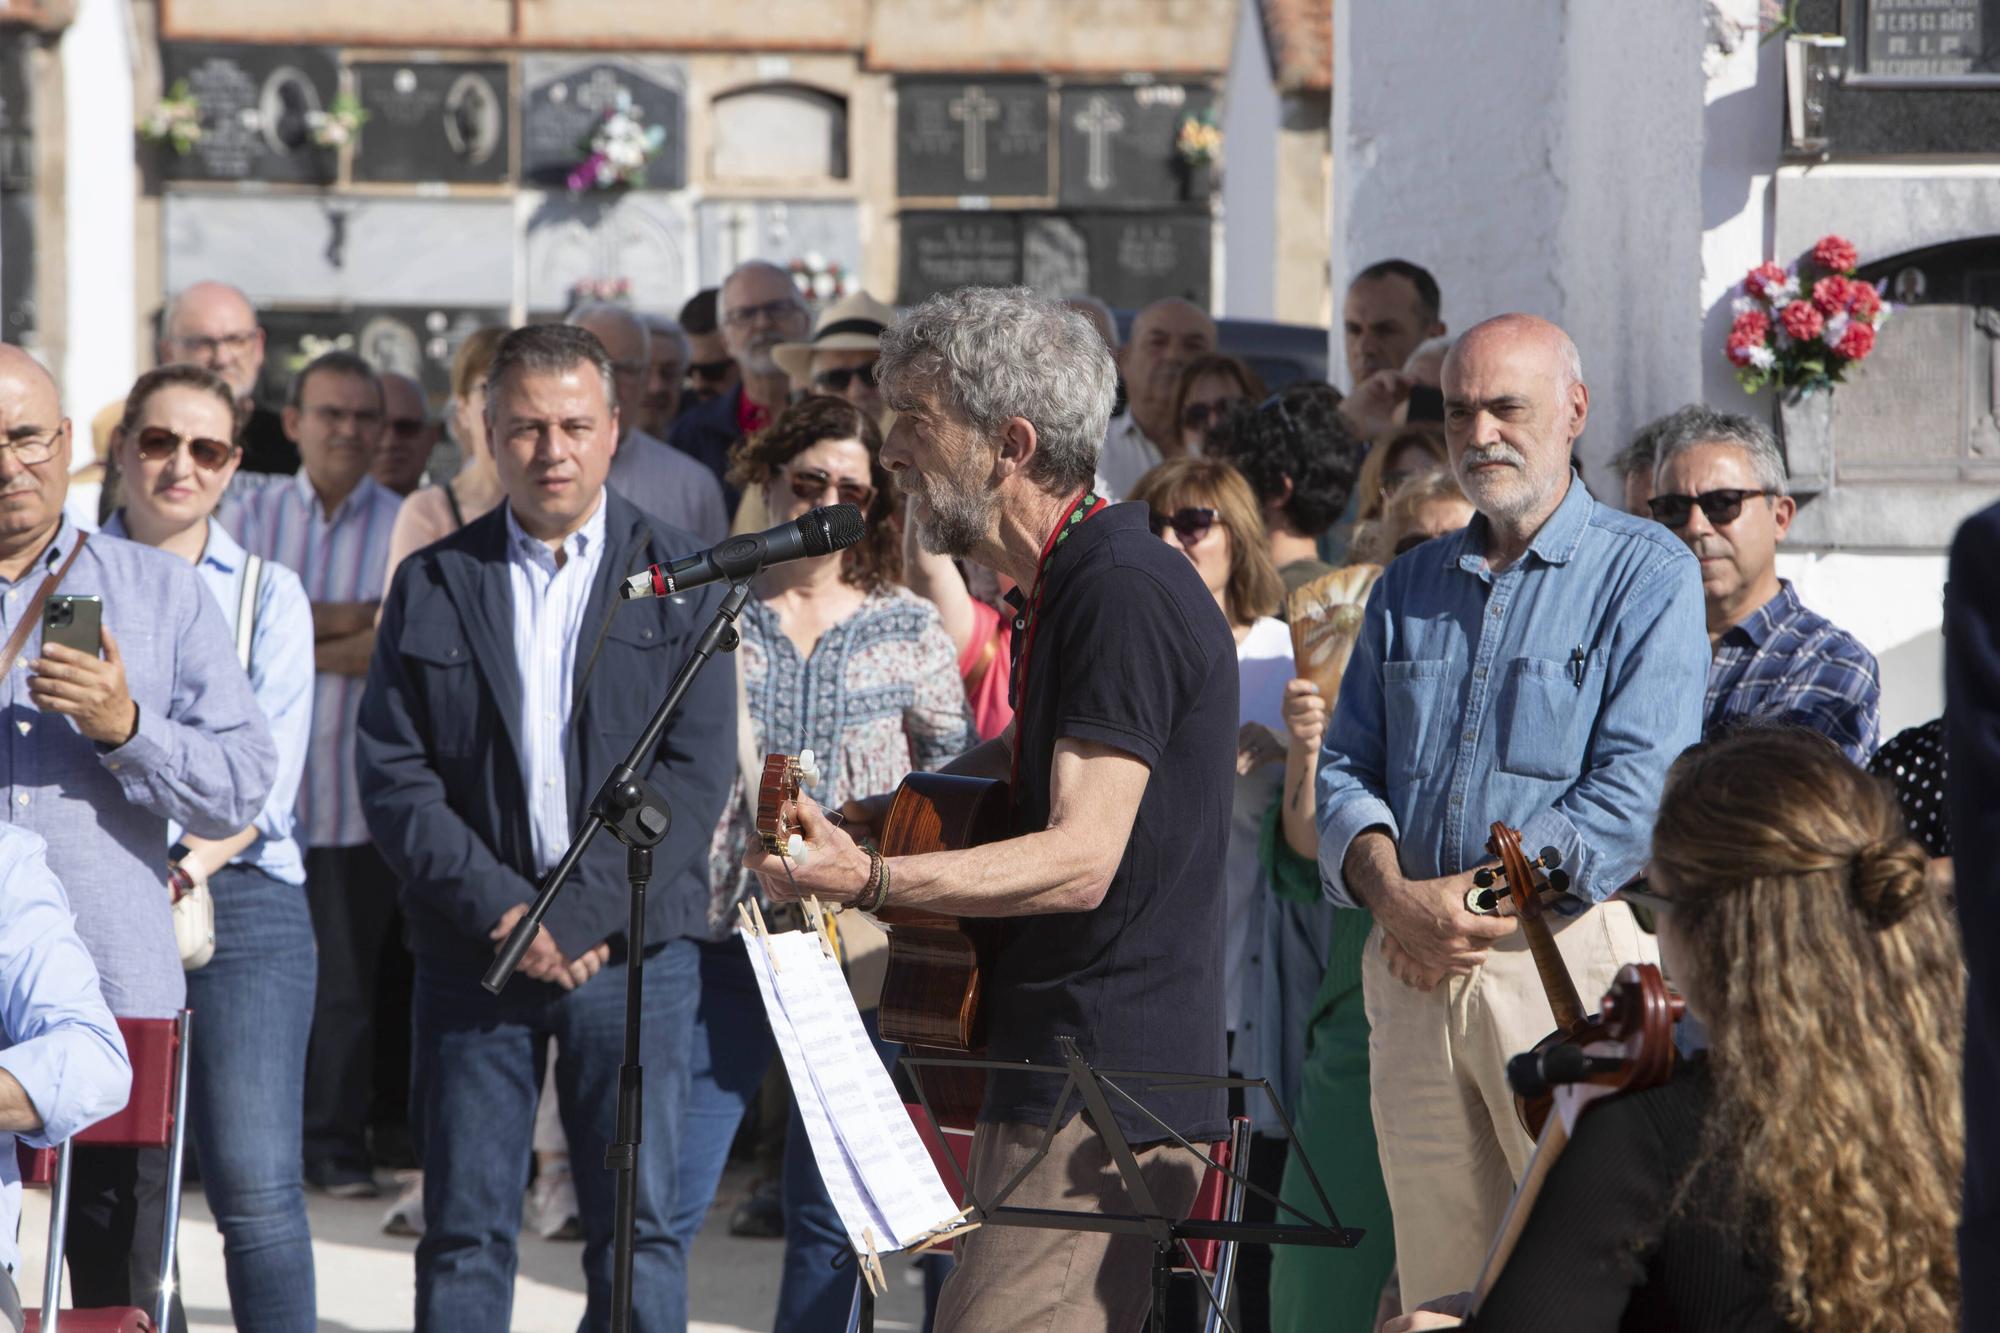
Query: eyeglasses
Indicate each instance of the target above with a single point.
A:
(157, 442)
(836, 381)
(743, 316)
(631, 369)
(1720, 507)
(1646, 904)
(810, 484)
(1196, 416)
(29, 450)
(711, 370)
(233, 343)
(1190, 524)
(407, 428)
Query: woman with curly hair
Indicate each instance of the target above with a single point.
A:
(839, 658)
(1805, 1174)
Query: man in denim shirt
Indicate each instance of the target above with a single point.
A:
(1542, 667)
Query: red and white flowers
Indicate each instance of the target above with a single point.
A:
(1801, 327)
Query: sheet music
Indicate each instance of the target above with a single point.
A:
(876, 1168)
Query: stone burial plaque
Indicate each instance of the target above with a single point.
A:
(255, 101)
(946, 250)
(1055, 256)
(433, 121)
(412, 340)
(564, 98)
(645, 238)
(815, 233)
(1903, 410)
(1118, 144)
(1921, 41)
(959, 137)
(1137, 258)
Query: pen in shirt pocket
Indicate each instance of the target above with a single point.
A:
(1578, 660)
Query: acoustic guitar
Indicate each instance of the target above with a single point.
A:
(937, 963)
(1525, 882)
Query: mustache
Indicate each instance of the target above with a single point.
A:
(1499, 453)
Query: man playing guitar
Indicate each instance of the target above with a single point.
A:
(1120, 760)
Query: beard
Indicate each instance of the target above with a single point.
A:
(758, 356)
(1506, 496)
(957, 510)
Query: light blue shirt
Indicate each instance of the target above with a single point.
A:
(1551, 695)
(60, 1042)
(549, 603)
(281, 676)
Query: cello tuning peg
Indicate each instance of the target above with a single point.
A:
(1483, 877)
(1559, 880)
(808, 765)
(1551, 859)
(796, 849)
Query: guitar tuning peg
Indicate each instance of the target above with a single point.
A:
(796, 849)
(1483, 877)
(1551, 859)
(1559, 880)
(808, 764)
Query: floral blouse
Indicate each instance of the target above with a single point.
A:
(879, 697)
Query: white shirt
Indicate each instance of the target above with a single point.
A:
(548, 621)
(1127, 455)
(1263, 666)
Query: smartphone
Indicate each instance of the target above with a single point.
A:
(1426, 404)
(74, 622)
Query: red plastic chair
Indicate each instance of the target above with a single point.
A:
(154, 1117)
(1219, 1199)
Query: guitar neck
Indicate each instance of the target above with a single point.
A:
(1563, 999)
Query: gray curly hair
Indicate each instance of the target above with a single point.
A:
(992, 353)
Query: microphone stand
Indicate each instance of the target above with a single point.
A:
(639, 817)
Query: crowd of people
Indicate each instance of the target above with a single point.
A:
(1261, 668)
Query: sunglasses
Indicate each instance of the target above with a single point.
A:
(1190, 524)
(810, 484)
(836, 381)
(1719, 507)
(407, 428)
(157, 442)
(1645, 903)
(1196, 416)
(711, 370)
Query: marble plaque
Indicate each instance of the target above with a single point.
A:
(1055, 255)
(1140, 257)
(413, 340)
(1118, 144)
(816, 233)
(946, 250)
(645, 238)
(565, 97)
(433, 121)
(1927, 40)
(255, 102)
(1905, 405)
(984, 137)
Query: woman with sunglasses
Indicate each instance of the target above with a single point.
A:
(837, 658)
(1207, 386)
(175, 451)
(1806, 1172)
(1205, 509)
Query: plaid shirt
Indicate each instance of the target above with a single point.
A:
(1785, 663)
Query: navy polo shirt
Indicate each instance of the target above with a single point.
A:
(1132, 652)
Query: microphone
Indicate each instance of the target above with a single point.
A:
(1537, 1073)
(817, 532)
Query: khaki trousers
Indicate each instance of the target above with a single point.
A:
(1451, 1144)
(1034, 1280)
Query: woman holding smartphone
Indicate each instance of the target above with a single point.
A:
(175, 451)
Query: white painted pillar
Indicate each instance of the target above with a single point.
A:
(1250, 126)
(101, 360)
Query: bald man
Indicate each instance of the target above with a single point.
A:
(1166, 335)
(213, 324)
(152, 720)
(1540, 667)
(408, 432)
(760, 307)
(652, 474)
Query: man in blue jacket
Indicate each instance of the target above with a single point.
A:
(502, 692)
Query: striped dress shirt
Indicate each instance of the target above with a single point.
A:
(339, 557)
(549, 602)
(1784, 663)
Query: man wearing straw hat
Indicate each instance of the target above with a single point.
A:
(840, 358)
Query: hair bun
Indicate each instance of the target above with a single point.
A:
(1888, 879)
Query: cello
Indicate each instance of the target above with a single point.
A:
(937, 963)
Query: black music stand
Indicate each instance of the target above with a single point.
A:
(1096, 1088)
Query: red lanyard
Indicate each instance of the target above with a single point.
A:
(1085, 506)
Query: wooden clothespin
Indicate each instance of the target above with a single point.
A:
(946, 1230)
(821, 921)
(753, 921)
(871, 1264)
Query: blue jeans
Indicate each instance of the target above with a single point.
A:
(253, 1008)
(732, 1048)
(478, 1062)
